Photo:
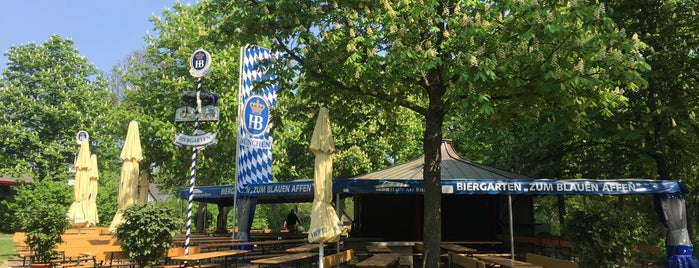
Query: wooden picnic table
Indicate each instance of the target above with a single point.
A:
(508, 263)
(304, 248)
(265, 246)
(109, 255)
(491, 243)
(380, 260)
(200, 258)
(403, 248)
(205, 240)
(294, 259)
(378, 249)
(449, 247)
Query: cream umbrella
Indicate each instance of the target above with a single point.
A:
(325, 225)
(76, 213)
(91, 203)
(131, 155)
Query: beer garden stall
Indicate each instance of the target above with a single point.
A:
(388, 199)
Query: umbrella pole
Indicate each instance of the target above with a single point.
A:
(339, 215)
(320, 256)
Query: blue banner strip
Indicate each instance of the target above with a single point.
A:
(504, 186)
(507, 186)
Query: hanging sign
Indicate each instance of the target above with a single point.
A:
(200, 63)
(198, 139)
(82, 135)
(189, 114)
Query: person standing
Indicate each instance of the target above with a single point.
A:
(291, 220)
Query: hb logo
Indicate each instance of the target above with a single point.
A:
(256, 115)
(199, 60)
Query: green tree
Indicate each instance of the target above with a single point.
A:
(504, 60)
(47, 94)
(660, 127)
(158, 77)
(46, 191)
(604, 235)
(653, 136)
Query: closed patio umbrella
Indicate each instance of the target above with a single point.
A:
(131, 155)
(90, 206)
(325, 225)
(76, 213)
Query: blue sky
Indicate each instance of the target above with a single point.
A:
(103, 31)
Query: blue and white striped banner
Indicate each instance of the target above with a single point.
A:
(256, 100)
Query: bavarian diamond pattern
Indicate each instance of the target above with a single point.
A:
(254, 164)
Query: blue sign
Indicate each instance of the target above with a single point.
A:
(289, 188)
(467, 187)
(200, 63)
(256, 116)
(508, 186)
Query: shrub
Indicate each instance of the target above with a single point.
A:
(44, 224)
(604, 236)
(147, 232)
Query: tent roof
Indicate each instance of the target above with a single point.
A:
(453, 167)
(459, 176)
(9, 181)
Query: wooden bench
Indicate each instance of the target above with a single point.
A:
(284, 259)
(304, 248)
(449, 247)
(204, 259)
(548, 262)
(648, 251)
(76, 262)
(106, 256)
(338, 258)
(378, 249)
(507, 262)
(458, 260)
(26, 256)
(380, 260)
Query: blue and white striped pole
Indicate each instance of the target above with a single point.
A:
(200, 62)
(192, 173)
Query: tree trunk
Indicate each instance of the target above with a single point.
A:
(561, 208)
(201, 218)
(221, 220)
(432, 228)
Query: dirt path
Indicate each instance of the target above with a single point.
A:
(12, 263)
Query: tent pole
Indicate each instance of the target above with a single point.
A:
(235, 208)
(512, 234)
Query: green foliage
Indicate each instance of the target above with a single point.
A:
(43, 223)
(260, 223)
(147, 232)
(156, 78)
(272, 216)
(58, 193)
(107, 203)
(604, 235)
(505, 63)
(47, 94)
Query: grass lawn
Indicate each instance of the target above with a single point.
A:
(6, 247)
